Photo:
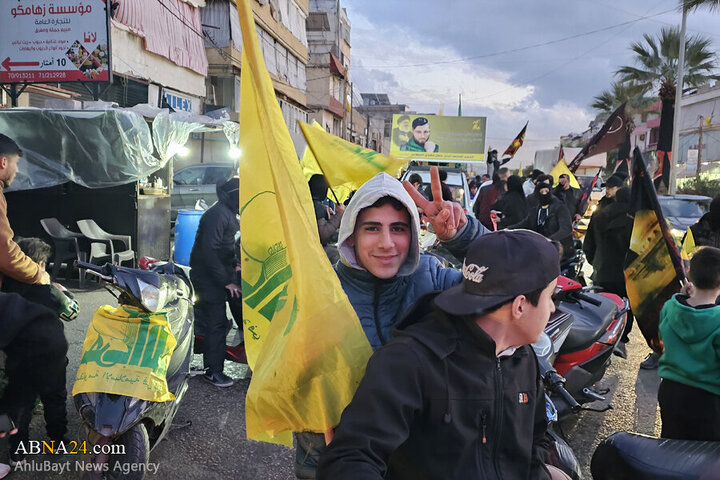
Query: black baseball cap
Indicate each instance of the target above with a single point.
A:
(614, 181)
(498, 267)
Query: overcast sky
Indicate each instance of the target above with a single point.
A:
(425, 52)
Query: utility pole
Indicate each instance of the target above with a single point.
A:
(700, 147)
(351, 116)
(678, 98)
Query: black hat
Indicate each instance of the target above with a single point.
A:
(418, 122)
(615, 180)
(498, 267)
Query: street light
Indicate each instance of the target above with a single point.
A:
(674, 155)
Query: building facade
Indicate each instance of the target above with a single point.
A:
(378, 111)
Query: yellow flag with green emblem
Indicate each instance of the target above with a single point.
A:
(304, 342)
(126, 352)
(311, 167)
(345, 163)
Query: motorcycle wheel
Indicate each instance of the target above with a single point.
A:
(136, 452)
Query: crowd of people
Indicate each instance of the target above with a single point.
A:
(453, 388)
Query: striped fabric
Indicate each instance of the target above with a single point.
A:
(170, 28)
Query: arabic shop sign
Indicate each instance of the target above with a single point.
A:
(58, 41)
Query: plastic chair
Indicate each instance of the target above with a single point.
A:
(66, 247)
(100, 241)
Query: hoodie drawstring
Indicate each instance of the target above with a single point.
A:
(376, 307)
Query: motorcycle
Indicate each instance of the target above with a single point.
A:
(235, 348)
(625, 455)
(137, 426)
(596, 322)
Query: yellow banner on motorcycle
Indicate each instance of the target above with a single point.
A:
(126, 352)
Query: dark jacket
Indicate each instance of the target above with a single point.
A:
(437, 403)
(486, 197)
(571, 197)
(50, 296)
(608, 238)
(212, 258)
(704, 234)
(558, 225)
(17, 313)
(512, 204)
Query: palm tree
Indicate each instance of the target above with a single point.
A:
(695, 4)
(620, 93)
(657, 63)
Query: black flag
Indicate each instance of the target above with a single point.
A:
(653, 267)
(610, 136)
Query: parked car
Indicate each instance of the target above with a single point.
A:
(681, 211)
(197, 182)
(456, 180)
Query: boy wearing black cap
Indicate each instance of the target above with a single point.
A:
(457, 393)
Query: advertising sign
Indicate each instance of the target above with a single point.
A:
(58, 41)
(430, 137)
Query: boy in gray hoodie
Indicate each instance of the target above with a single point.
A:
(381, 268)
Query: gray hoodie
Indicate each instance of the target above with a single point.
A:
(379, 303)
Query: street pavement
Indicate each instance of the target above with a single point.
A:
(214, 446)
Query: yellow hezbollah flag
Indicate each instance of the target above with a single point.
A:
(347, 164)
(688, 246)
(304, 342)
(310, 167)
(126, 352)
(561, 168)
(520, 172)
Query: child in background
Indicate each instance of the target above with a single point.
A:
(689, 393)
(61, 302)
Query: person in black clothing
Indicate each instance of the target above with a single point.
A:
(457, 393)
(706, 232)
(613, 184)
(60, 301)
(213, 274)
(446, 192)
(570, 195)
(512, 203)
(35, 345)
(606, 241)
(549, 217)
(327, 218)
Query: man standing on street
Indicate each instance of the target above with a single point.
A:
(457, 393)
(13, 262)
(570, 195)
(212, 263)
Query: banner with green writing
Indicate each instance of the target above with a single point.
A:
(126, 352)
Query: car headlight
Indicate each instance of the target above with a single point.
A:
(152, 297)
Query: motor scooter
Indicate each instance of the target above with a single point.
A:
(625, 455)
(134, 425)
(235, 347)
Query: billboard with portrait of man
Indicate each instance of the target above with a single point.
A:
(432, 137)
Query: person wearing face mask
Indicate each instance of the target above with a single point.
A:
(549, 217)
(706, 232)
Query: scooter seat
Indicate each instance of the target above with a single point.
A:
(589, 322)
(633, 456)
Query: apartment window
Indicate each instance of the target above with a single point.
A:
(654, 136)
(318, 21)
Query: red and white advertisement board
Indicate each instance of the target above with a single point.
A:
(54, 41)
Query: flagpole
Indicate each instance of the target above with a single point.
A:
(674, 157)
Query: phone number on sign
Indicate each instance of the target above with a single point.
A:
(33, 76)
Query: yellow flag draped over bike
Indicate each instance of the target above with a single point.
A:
(126, 352)
(304, 342)
(344, 163)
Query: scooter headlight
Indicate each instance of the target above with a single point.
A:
(152, 297)
(543, 347)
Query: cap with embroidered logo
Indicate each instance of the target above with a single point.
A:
(498, 267)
